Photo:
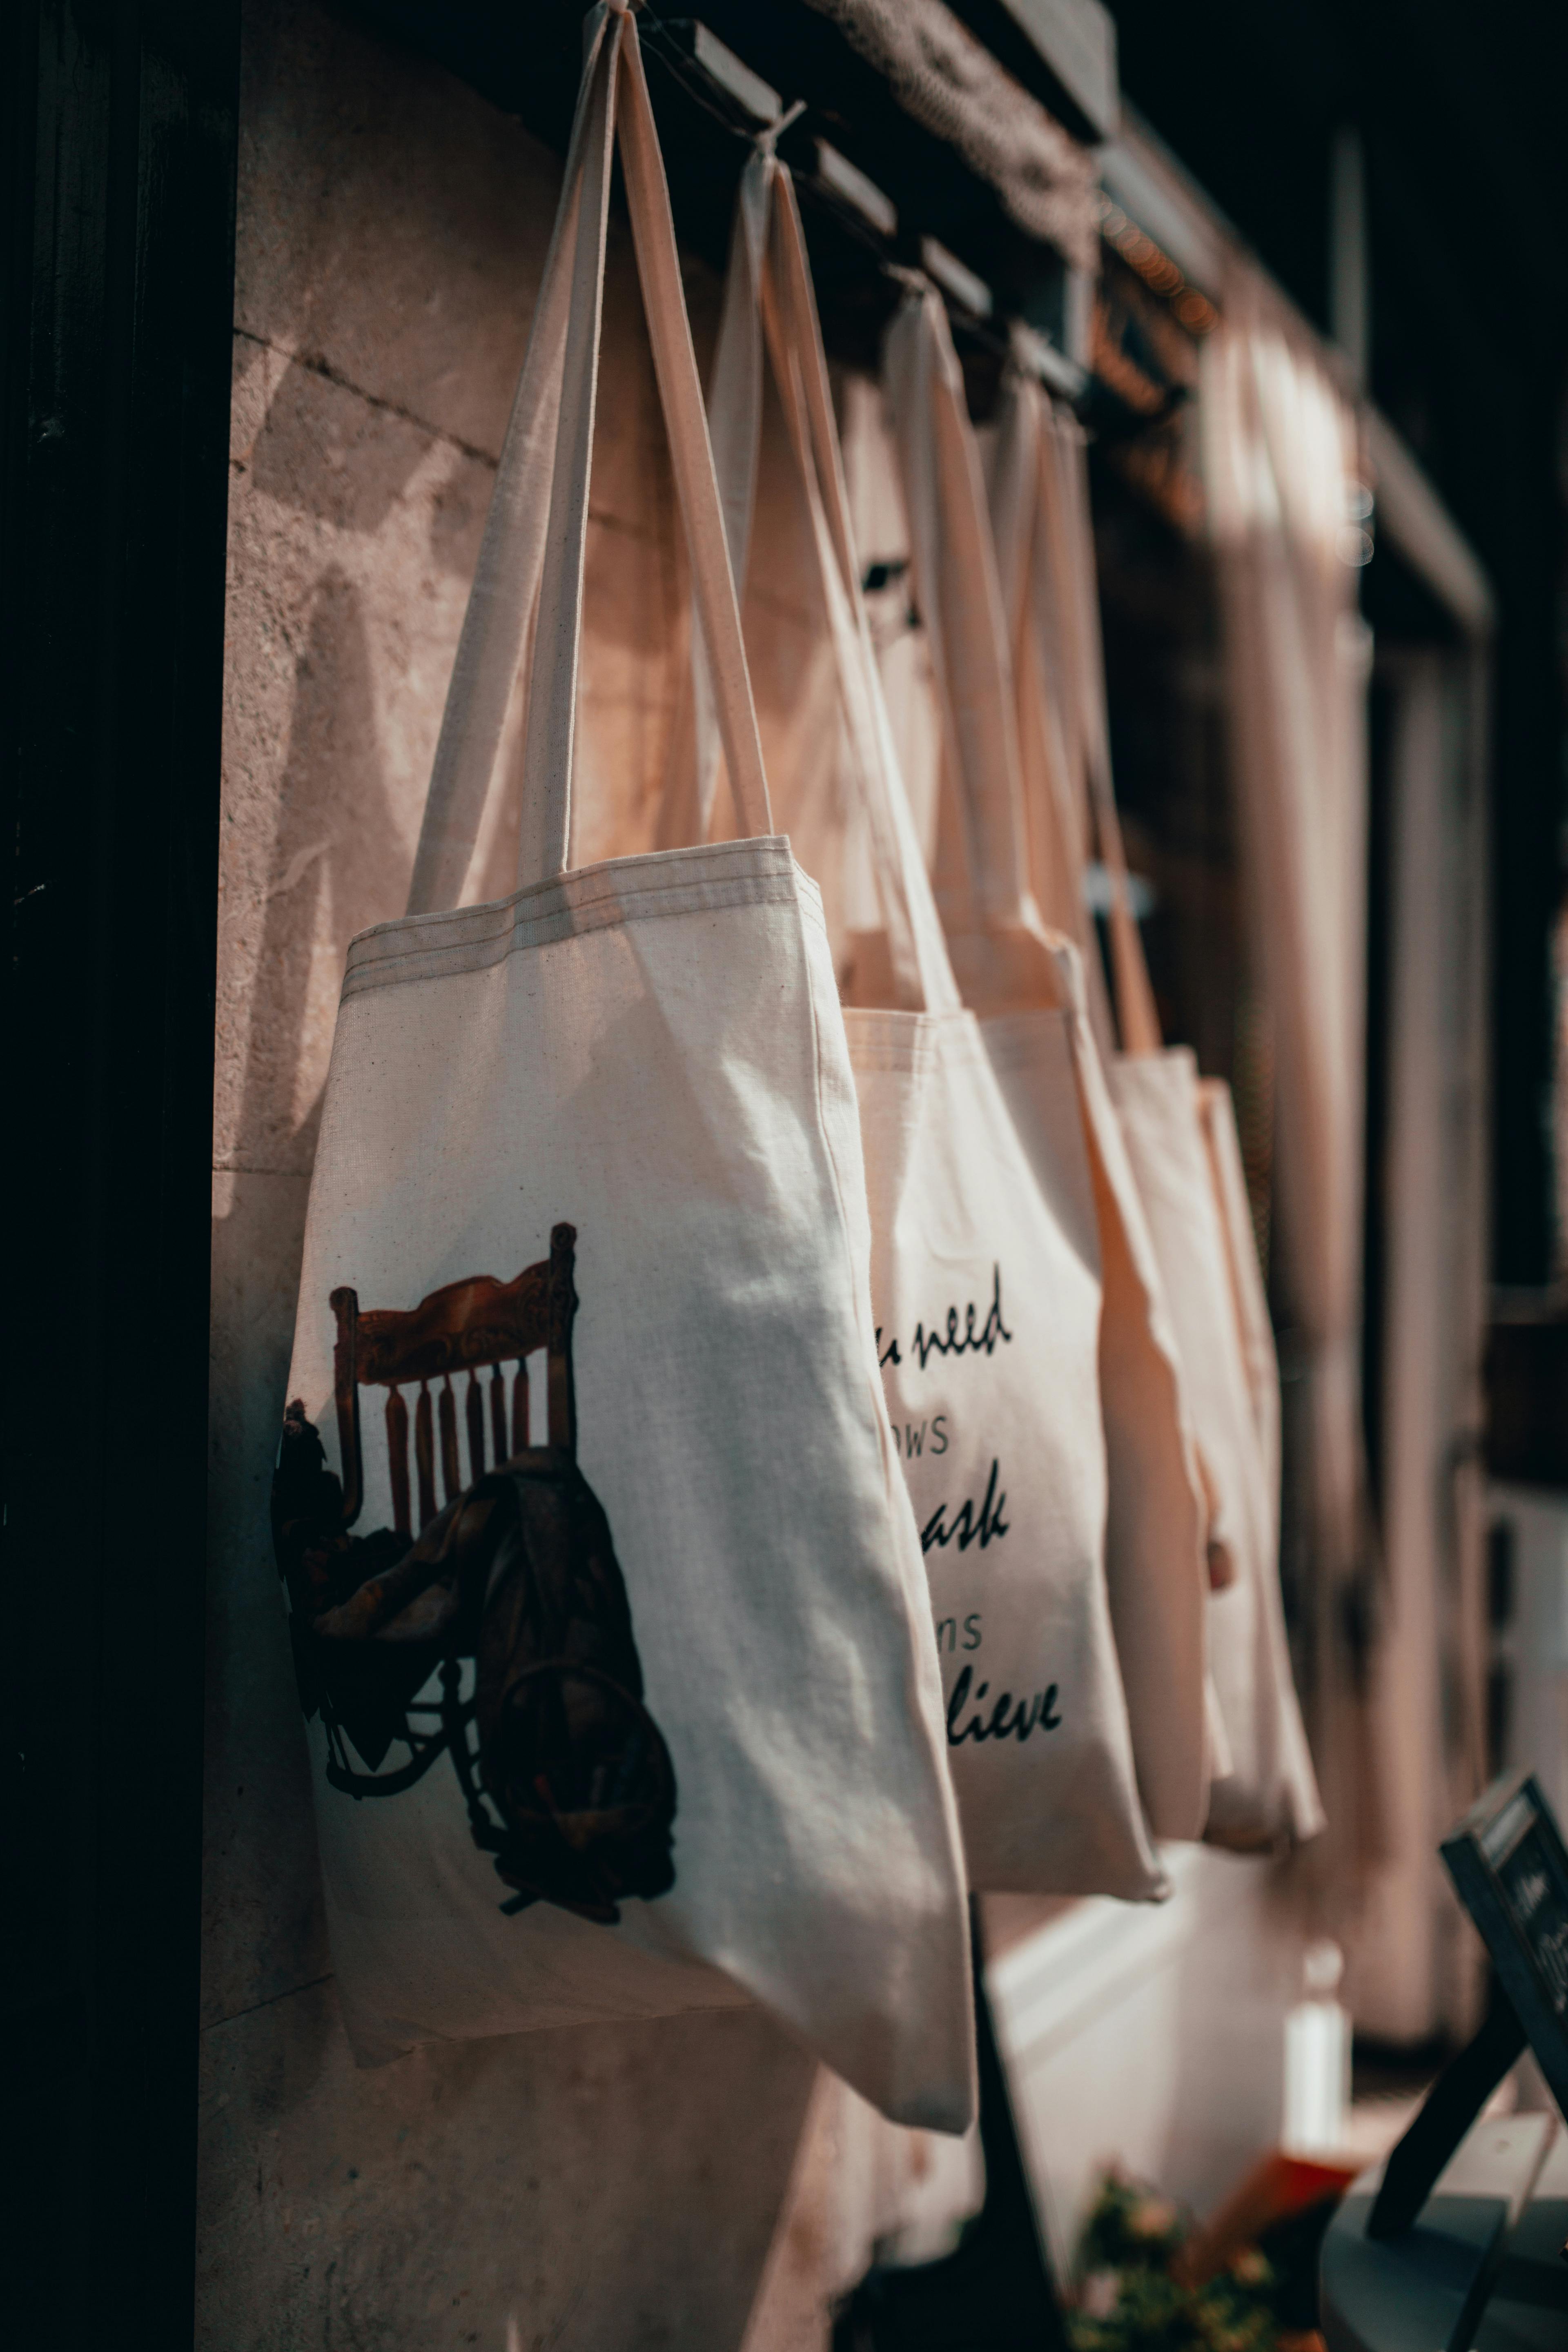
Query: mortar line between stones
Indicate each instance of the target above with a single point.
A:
(271, 2001)
(315, 364)
(248, 1167)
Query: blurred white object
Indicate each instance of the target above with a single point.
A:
(1150, 2034)
(1317, 2057)
(1098, 891)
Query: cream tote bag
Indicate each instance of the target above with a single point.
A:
(645, 1715)
(986, 1296)
(1181, 1139)
(1039, 1037)
(907, 2188)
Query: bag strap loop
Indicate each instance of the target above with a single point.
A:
(922, 974)
(769, 303)
(532, 556)
(983, 869)
(1066, 514)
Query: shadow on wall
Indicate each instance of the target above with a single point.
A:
(332, 457)
(264, 1934)
(609, 2188)
(318, 894)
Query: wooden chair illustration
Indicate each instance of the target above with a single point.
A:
(474, 1325)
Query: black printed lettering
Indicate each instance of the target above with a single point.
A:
(950, 1336)
(949, 1626)
(939, 1432)
(955, 1706)
(1038, 1713)
(951, 1341)
(972, 1631)
(965, 1528)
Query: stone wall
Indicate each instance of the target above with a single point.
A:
(624, 2186)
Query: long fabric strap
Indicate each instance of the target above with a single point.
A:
(531, 557)
(1065, 516)
(1054, 818)
(769, 297)
(961, 606)
(1035, 572)
(734, 428)
(922, 974)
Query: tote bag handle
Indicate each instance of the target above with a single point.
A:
(922, 974)
(769, 299)
(982, 858)
(533, 551)
(1065, 518)
(1055, 814)
(735, 430)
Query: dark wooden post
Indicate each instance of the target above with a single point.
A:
(117, 167)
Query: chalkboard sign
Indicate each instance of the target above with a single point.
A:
(1509, 1865)
(1509, 1868)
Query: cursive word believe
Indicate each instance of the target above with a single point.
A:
(1039, 1710)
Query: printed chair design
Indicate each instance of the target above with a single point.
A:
(566, 1778)
(470, 1327)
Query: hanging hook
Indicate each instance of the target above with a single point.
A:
(767, 139)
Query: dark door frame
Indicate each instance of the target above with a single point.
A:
(118, 125)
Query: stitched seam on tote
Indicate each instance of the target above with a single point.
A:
(490, 948)
(1010, 1041)
(593, 908)
(596, 908)
(537, 932)
(810, 895)
(884, 1050)
(571, 896)
(879, 1041)
(589, 886)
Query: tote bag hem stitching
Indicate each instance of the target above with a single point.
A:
(609, 911)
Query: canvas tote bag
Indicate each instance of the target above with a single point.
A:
(894, 2186)
(647, 1714)
(1180, 1137)
(985, 1296)
(1038, 1035)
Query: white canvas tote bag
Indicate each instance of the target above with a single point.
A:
(1179, 1139)
(1269, 1792)
(897, 2187)
(1039, 1038)
(667, 1667)
(986, 1300)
